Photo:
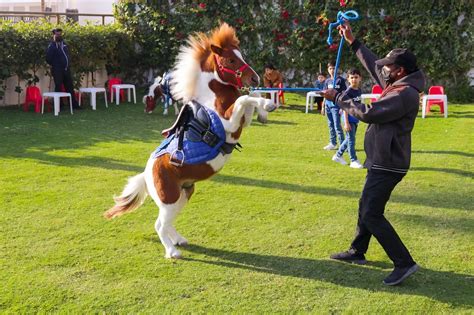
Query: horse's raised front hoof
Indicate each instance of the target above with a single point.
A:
(261, 119)
(174, 254)
(269, 106)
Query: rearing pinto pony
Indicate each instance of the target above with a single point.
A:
(207, 76)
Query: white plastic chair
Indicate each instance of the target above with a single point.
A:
(273, 95)
(56, 96)
(93, 91)
(310, 96)
(118, 87)
(442, 97)
(369, 96)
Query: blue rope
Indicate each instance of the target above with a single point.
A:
(341, 17)
(287, 89)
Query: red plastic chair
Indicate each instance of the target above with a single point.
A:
(281, 94)
(33, 95)
(112, 82)
(435, 90)
(376, 89)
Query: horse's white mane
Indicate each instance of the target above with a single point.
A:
(185, 74)
(187, 70)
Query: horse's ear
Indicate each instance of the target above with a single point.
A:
(216, 49)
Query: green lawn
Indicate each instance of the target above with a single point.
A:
(260, 231)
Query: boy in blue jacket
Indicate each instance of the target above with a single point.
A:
(332, 110)
(350, 122)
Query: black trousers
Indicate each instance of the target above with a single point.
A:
(63, 76)
(319, 101)
(375, 195)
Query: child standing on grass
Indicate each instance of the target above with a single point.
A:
(350, 122)
(332, 110)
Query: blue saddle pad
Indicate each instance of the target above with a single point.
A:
(195, 152)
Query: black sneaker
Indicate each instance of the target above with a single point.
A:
(400, 274)
(350, 256)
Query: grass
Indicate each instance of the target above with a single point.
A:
(260, 231)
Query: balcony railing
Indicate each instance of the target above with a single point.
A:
(17, 16)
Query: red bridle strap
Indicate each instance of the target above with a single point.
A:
(237, 73)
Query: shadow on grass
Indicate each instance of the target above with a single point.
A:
(88, 161)
(436, 223)
(294, 107)
(462, 112)
(445, 170)
(450, 201)
(35, 136)
(460, 153)
(256, 123)
(437, 115)
(446, 287)
(460, 116)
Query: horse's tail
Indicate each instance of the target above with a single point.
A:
(131, 198)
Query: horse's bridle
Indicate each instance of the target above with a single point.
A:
(237, 73)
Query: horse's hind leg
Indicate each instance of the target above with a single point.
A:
(170, 199)
(164, 225)
(175, 237)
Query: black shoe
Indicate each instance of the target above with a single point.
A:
(350, 256)
(77, 107)
(400, 274)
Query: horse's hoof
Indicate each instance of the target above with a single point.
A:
(261, 119)
(183, 243)
(269, 107)
(175, 254)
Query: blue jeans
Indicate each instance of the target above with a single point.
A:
(334, 124)
(349, 143)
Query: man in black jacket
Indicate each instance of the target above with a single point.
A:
(388, 148)
(57, 56)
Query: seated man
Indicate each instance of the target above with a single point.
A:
(319, 84)
(272, 78)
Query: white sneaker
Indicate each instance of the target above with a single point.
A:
(330, 147)
(356, 164)
(165, 112)
(339, 160)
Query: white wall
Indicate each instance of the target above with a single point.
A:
(83, 6)
(45, 84)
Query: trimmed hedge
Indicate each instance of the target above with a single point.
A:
(24, 47)
(293, 35)
(290, 35)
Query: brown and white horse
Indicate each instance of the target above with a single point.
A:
(156, 92)
(209, 70)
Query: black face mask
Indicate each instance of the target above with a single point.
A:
(387, 75)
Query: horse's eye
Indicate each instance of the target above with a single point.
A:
(232, 61)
